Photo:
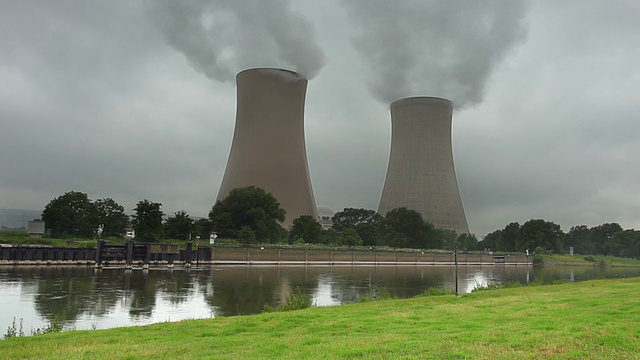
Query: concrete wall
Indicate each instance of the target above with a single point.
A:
(268, 148)
(421, 174)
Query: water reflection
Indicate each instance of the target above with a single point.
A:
(88, 298)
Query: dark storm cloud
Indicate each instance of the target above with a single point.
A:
(440, 48)
(222, 37)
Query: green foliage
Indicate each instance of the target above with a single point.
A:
(433, 291)
(384, 294)
(602, 237)
(306, 228)
(246, 235)
(15, 330)
(111, 217)
(252, 207)
(147, 221)
(349, 237)
(538, 259)
(452, 241)
(350, 218)
(367, 223)
(406, 228)
(508, 238)
(71, 214)
(296, 300)
(203, 228)
(580, 238)
(539, 233)
(56, 325)
(448, 238)
(178, 226)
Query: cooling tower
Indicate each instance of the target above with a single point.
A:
(421, 175)
(268, 148)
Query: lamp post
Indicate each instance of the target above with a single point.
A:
(455, 252)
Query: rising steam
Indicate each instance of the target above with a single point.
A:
(221, 37)
(432, 47)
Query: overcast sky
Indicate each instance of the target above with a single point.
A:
(135, 100)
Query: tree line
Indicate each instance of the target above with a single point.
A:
(252, 215)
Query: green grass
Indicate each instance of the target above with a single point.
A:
(587, 320)
(588, 260)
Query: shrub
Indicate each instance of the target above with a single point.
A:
(296, 300)
(433, 291)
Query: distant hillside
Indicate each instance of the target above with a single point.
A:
(16, 218)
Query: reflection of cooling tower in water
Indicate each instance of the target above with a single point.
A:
(421, 175)
(268, 147)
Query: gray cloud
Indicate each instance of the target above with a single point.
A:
(93, 99)
(222, 37)
(439, 48)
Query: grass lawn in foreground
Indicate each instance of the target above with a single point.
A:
(588, 320)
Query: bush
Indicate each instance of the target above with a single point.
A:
(296, 300)
(432, 291)
(246, 235)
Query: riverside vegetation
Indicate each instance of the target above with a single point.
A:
(587, 320)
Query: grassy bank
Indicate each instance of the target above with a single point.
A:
(588, 260)
(587, 320)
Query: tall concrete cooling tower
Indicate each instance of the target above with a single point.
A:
(268, 148)
(421, 175)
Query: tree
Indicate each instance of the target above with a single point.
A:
(246, 235)
(490, 241)
(71, 214)
(349, 237)
(447, 238)
(602, 237)
(409, 226)
(540, 234)
(111, 217)
(579, 237)
(509, 238)
(307, 228)
(468, 242)
(147, 220)
(249, 206)
(627, 244)
(351, 218)
(367, 224)
(203, 228)
(178, 226)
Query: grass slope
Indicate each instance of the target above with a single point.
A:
(588, 260)
(587, 320)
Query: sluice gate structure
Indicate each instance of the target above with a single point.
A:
(132, 255)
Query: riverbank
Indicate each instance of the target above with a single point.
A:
(588, 260)
(587, 320)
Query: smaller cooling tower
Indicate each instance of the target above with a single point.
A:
(421, 174)
(268, 148)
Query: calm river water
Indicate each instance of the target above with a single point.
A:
(87, 298)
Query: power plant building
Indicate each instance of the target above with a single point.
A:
(268, 148)
(421, 174)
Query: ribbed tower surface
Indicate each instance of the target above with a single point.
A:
(421, 175)
(268, 148)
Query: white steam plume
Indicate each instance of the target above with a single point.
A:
(433, 47)
(222, 37)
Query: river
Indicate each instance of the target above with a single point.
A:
(88, 298)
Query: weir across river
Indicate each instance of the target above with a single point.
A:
(132, 254)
